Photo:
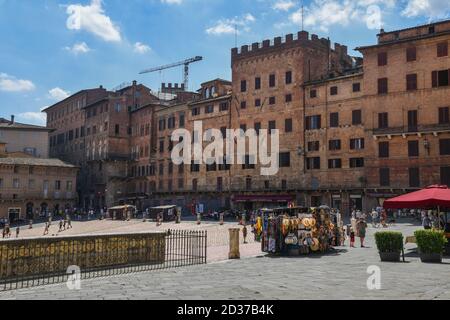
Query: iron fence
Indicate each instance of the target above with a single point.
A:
(42, 261)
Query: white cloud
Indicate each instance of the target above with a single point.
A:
(11, 84)
(323, 14)
(78, 48)
(91, 18)
(284, 5)
(229, 26)
(58, 94)
(37, 118)
(172, 1)
(432, 9)
(141, 48)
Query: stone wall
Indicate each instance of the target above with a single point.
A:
(52, 256)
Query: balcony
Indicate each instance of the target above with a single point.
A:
(411, 130)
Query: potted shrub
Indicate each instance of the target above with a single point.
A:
(390, 245)
(431, 245)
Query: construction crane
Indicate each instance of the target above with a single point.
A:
(186, 64)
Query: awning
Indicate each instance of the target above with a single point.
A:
(263, 198)
(431, 197)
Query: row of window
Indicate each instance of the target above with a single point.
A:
(258, 103)
(314, 163)
(384, 178)
(334, 90)
(17, 184)
(272, 82)
(92, 112)
(439, 78)
(335, 145)
(70, 108)
(268, 185)
(223, 106)
(411, 54)
(315, 122)
(170, 123)
(82, 132)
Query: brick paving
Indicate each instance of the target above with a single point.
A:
(341, 275)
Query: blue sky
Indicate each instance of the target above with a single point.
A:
(52, 48)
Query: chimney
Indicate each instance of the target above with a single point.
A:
(12, 119)
(134, 83)
(101, 87)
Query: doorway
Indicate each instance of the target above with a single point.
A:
(13, 214)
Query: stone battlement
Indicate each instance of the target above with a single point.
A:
(302, 38)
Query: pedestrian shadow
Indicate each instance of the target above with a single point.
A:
(314, 255)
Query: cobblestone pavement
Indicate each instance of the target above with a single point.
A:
(342, 275)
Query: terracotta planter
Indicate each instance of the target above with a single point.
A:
(431, 257)
(390, 256)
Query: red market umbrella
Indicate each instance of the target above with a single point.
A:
(428, 198)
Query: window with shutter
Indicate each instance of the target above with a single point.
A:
(413, 148)
(333, 91)
(444, 117)
(411, 54)
(272, 80)
(411, 82)
(357, 87)
(383, 86)
(288, 125)
(442, 49)
(383, 120)
(440, 78)
(288, 77)
(313, 146)
(335, 164)
(243, 86)
(383, 149)
(257, 83)
(382, 59)
(356, 117)
(334, 120)
(356, 162)
(444, 146)
(414, 177)
(445, 176)
(334, 145)
(385, 179)
(412, 120)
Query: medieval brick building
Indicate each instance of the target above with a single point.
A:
(353, 131)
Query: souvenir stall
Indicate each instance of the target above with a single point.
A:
(295, 232)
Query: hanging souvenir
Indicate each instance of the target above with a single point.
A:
(291, 239)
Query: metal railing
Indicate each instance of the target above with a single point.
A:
(47, 260)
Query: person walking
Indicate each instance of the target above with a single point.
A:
(244, 233)
(426, 222)
(17, 232)
(362, 228)
(69, 222)
(60, 225)
(352, 237)
(46, 230)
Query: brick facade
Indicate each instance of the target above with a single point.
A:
(353, 131)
